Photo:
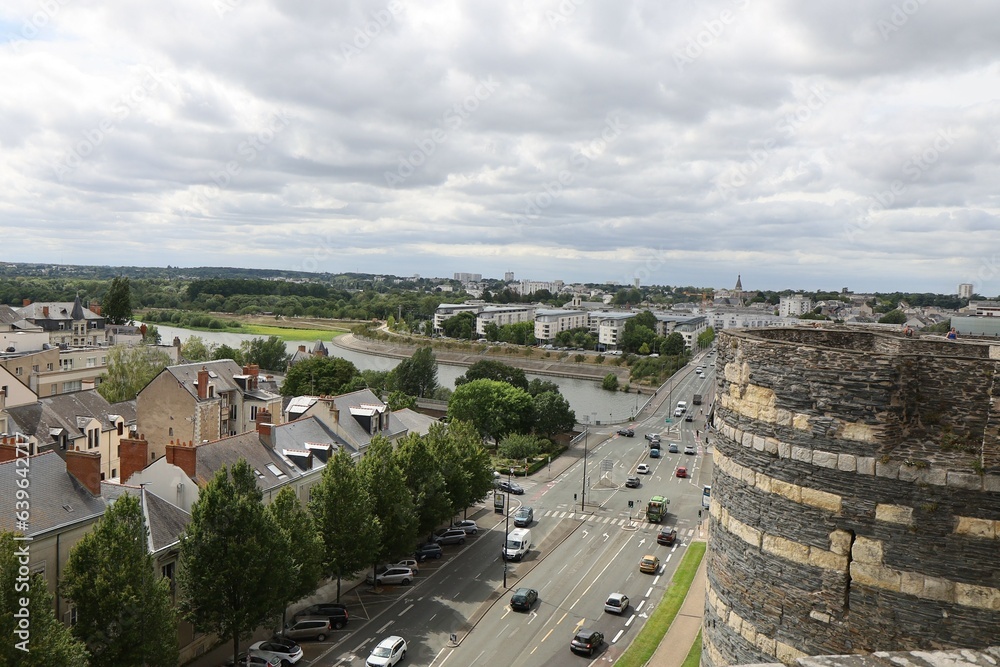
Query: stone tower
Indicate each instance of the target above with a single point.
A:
(856, 496)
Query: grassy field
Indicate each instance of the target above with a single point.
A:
(656, 627)
(693, 658)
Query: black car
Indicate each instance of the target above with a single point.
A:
(523, 599)
(511, 487)
(586, 641)
(425, 551)
(336, 612)
(627, 432)
(689, 417)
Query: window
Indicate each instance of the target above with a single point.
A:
(67, 387)
(18, 371)
(102, 476)
(170, 432)
(232, 412)
(91, 362)
(121, 428)
(114, 472)
(52, 390)
(48, 366)
(34, 369)
(253, 413)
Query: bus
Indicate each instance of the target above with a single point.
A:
(706, 496)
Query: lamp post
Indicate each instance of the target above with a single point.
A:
(583, 491)
(506, 528)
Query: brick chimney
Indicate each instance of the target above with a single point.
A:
(265, 429)
(94, 307)
(45, 311)
(8, 449)
(25, 303)
(253, 370)
(183, 456)
(302, 348)
(133, 452)
(86, 468)
(203, 383)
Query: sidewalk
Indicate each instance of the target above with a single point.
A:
(683, 632)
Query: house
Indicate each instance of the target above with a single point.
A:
(318, 350)
(201, 402)
(355, 418)
(67, 324)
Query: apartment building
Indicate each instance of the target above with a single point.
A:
(794, 305)
(448, 310)
(502, 315)
(550, 322)
(66, 323)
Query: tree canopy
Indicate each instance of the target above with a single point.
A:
(116, 307)
(129, 370)
(417, 376)
(319, 376)
(495, 408)
(462, 325)
(269, 354)
(489, 369)
(552, 414)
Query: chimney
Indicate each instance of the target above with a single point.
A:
(25, 303)
(183, 456)
(94, 307)
(86, 468)
(45, 311)
(334, 410)
(203, 383)
(251, 369)
(177, 342)
(265, 429)
(8, 449)
(302, 348)
(133, 452)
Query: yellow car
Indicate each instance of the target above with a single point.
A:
(649, 564)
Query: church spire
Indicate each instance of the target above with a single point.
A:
(739, 283)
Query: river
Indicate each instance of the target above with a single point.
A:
(585, 397)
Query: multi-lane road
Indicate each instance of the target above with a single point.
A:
(457, 611)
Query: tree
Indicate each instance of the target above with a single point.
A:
(394, 517)
(706, 337)
(425, 481)
(269, 354)
(496, 408)
(517, 446)
(125, 614)
(635, 334)
(488, 369)
(397, 400)
(553, 414)
(893, 317)
(151, 335)
(341, 509)
(673, 345)
(195, 349)
(46, 641)
(610, 382)
(305, 547)
(129, 370)
(465, 465)
(462, 325)
(537, 386)
(225, 352)
(417, 376)
(117, 303)
(235, 565)
(318, 375)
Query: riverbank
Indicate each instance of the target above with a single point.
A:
(557, 368)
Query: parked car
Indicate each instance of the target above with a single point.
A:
(394, 575)
(642, 469)
(523, 599)
(468, 525)
(689, 449)
(450, 536)
(280, 653)
(410, 563)
(524, 516)
(633, 482)
(627, 432)
(425, 551)
(616, 603)
(649, 564)
(667, 536)
(243, 660)
(390, 651)
(586, 641)
(511, 487)
(309, 627)
(654, 452)
(336, 612)
(673, 448)
(682, 471)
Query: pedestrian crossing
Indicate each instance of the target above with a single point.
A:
(610, 520)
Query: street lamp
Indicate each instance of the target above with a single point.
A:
(583, 491)
(506, 528)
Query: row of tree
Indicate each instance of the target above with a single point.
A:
(242, 562)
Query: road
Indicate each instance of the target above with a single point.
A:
(457, 612)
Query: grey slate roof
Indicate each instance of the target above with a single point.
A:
(415, 422)
(166, 521)
(56, 497)
(58, 310)
(221, 373)
(8, 315)
(271, 469)
(304, 435)
(64, 412)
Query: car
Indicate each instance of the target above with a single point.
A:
(410, 563)
(586, 641)
(682, 405)
(450, 536)
(649, 563)
(308, 627)
(280, 653)
(678, 413)
(642, 469)
(627, 432)
(700, 368)
(673, 448)
(468, 525)
(616, 603)
(701, 375)
(652, 436)
(667, 536)
(633, 482)
(681, 471)
(689, 417)
(390, 651)
(523, 599)
(511, 487)
(654, 452)
(243, 660)
(524, 516)
(689, 449)
(336, 612)
(425, 551)
(394, 575)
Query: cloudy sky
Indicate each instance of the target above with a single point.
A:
(812, 145)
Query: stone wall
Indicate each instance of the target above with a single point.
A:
(856, 499)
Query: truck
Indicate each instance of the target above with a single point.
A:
(517, 544)
(697, 399)
(656, 509)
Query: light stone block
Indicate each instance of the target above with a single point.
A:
(824, 459)
(866, 465)
(980, 597)
(867, 550)
(793, 551)
(824, 500)
(900, 514)
(803, 454)
(975, 527)
(847, 462)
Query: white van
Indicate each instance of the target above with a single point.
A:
(518, 541)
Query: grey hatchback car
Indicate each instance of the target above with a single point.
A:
(307, 628)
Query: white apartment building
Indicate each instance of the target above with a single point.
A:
(468, 277)
(501, 315)
(448, 310)
(532, 286)
(608, 327)
(549, 323)
(725, 318)
(794, 305)
(965, 290)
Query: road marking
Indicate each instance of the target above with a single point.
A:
(563, 618)
(382, 629)
(628, 623)
(649, 591)
(551, 630)
(638, 607)
(617, 636)
(406, 610)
